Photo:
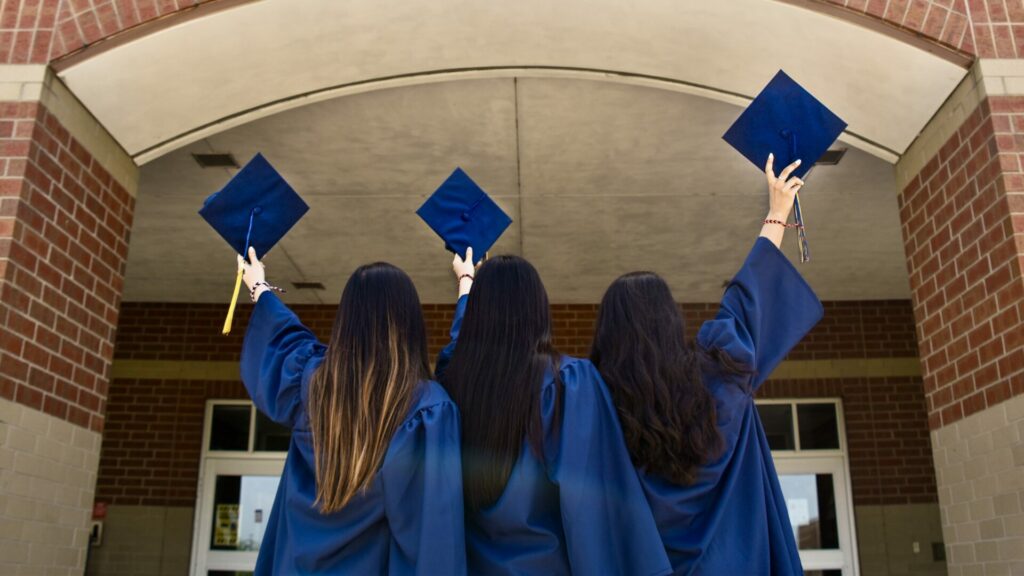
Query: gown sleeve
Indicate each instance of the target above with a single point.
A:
(609, 527)
(422, 480)
(275, 355)
(766, 310)
(445, 356)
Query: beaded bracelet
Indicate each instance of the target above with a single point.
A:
(470, 276)
(783, 224)
(269, 286)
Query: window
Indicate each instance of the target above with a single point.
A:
(243, 455)
(809, 448)
(240, 428)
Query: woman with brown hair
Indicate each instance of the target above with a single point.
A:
(687, 409)
(372, 483)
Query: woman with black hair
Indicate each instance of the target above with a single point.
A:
(549, 487)
(687, 410)
(372, 483)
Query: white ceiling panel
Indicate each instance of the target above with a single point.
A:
(600, 178)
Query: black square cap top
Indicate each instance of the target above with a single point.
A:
(785, 120)
(463, 215)
(255, 208)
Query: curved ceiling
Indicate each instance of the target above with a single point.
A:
(600, 179)
(261, 58)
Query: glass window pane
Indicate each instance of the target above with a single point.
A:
(271, 436)
(225, 513)
(230, 428)
(811, 503)
(819, 426)
(777, 420)
(241, 510)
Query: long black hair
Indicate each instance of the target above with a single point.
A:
(362, 392)
(496, 372)
(655, 377)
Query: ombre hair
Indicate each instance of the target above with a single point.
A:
(376, 358)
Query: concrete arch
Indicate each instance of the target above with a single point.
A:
(258, 58)
(78, 26)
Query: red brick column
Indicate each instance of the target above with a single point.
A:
(64, 226)
(963, 225)
(962, 213)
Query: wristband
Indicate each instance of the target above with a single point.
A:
(783, 224)
(268, 285)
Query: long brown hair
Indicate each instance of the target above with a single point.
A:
(362, 392)
(656, 378)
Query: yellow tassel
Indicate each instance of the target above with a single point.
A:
(234, 301)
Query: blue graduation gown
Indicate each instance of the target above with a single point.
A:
(733, 518)
(578, 510)
(410, 521)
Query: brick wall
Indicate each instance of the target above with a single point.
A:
(963, 227)
(997, 28)
(889, 448)
(83, 22)
(979, 461)
(48, 472)
(64, 225)
(168, 331)
(27, 30)
(37, 31)
(982, 28)
(945, 21)
(152, 440)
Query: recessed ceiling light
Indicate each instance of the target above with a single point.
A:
(216, 160)
(308, 285)
(831, 157)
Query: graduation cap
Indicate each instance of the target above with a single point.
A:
(254, 209)
(787, 121)
(463, 215)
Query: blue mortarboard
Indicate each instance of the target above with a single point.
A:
(255, 208)
(463, 215)
(785, 120)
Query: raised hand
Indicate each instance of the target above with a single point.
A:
(782, 189)
(464, 270)
(781, 193)
(253, 271)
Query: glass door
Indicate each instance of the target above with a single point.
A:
(237, 496)
(808, 443)
(815, 492)
(243, 456)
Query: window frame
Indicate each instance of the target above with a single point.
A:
(225, 462)
(250, 451)
(823, 461)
